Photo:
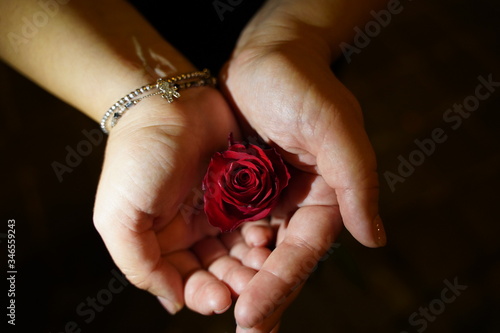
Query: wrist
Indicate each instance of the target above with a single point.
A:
(281, 25)
(318, 26)
(156, 114)
(127, 74)
(197, 115)
(168, 88)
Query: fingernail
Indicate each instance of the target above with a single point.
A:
(261, 243)
(223, 310)
(379, 231)
(243, 328)
(170, 306)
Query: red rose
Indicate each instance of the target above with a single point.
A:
(243, 184)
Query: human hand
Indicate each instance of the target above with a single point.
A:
(280, 82)
(147, 205)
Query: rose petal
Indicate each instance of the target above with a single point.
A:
(243, 184)
(279, 167)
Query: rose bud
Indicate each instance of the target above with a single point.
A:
(243, 184)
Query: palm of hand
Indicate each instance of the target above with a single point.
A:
(150, 179)
(298, 105)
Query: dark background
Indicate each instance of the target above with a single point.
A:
(442, 222)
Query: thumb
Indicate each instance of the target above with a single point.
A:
(347, 162)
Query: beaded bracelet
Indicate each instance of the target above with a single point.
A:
(167, 88)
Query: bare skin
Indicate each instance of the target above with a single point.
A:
(157, 154)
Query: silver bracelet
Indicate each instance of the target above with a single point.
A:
(167, 88)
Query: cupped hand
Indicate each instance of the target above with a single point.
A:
(286, 92)
(148, 206)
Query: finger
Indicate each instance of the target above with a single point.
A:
(258, 330)
(235, 244)
(203, 292)
(256, 257)
(258, 233)
(309, 235)
(143, 265)
(233, 273)
(345, 157)
(208, 250)
(206, 294)
(185, 262)
(272, 323)
(304, 189)
(252, 257)
(215, 258)
(347, 163)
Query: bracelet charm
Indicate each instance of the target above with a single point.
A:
(167, 88)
